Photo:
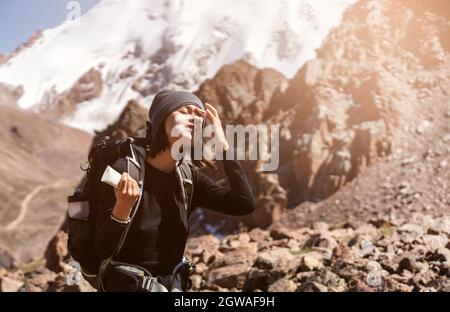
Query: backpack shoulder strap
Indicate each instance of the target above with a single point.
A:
(138, 156)
(186, 170)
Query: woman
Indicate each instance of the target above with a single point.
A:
(157, 236)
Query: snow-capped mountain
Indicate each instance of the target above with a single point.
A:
(88, 69)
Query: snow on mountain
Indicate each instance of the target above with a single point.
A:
(138, 47)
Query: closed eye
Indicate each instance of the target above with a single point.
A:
(187, 110)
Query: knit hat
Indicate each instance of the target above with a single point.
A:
(164, 103)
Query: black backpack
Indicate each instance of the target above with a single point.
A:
(124, 155)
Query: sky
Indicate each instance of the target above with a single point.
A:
(19, 19)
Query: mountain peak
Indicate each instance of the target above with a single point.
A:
(141, 46)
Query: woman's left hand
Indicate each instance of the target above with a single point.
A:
(213, 116)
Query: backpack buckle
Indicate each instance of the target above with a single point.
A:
(151, 284)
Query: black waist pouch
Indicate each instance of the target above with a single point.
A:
(126, 277)
(123, 277)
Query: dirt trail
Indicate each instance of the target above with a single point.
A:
(25, 202)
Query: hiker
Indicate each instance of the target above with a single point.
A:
(158, 234)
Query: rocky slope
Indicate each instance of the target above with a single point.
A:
(400, 74)
(372, 91)
(39, 166)
(409, 255)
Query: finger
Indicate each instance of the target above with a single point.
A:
(138, 190)
(119, 185)
(135, 190)
(199, 111)
(130, 185)
(124, 183)
(212, 109)
(209, 109)
(200, 114)
(210, 114)
(121, 182)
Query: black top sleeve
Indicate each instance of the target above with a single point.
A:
(236, 200)
(107, 231)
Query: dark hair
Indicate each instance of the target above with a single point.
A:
(161, 142)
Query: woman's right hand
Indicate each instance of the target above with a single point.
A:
(127, 193)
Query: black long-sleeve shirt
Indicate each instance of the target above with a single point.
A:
(157, 237)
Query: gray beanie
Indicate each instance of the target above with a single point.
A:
(164, 103)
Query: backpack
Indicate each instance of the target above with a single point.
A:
(124, 155)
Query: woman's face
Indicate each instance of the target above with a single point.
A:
(180, 123)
